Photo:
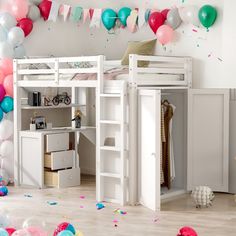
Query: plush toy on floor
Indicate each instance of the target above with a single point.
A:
(202, 196)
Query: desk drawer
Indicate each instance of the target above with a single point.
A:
(57, 142)
(59, 160)
(62, 178)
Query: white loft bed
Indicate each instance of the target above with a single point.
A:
(162, 73)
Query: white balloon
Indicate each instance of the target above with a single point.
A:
(7, 20)
(16, 36)
(6, 129)
(19, 52)
(6, 149)
(3, 34)
(6, 50)
(5, 178)
(34, 13)
(189, 15)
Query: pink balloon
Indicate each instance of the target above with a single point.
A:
(6, 66)
(21, 232)
(165, 34)
(2, 76)
(8, 85)
(2, 92)
(19, 8)
(35, 231)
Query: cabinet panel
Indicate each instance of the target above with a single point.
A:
(208, 141)
(149, 148)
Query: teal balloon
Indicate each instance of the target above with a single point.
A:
(109, 17)
(207, 15)
(3, 232)
(65, 233)
(123, 14)
(147, 14)
(1, 117)
(7, 104)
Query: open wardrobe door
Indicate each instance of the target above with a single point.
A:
(208, 138)
(149, 103)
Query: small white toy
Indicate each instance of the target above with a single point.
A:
(202, 196)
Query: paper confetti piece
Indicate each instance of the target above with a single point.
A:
(52, 203)
(155, 220)
(82, 197)
(100, 206)
(115, 221)
(194, 30)
(81, 207)
(120, 211)
(28, 195)
(219, 59)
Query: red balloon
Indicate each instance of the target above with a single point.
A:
(45, 7)
(10, 231)
(26, 25)
(156, 20)
(187, 231)
(165, 12)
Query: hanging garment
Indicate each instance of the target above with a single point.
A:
(163, 140)
(166, 164)
(172, 159)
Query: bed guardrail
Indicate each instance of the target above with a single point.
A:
(161, 65)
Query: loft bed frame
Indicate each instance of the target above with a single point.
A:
(125, 90)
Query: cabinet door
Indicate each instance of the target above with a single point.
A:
(208, 138)
(149, 102)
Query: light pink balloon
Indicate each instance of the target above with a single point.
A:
(21, 232)
(165, 34)
(6, 66)
(19, 8)
(35, 231)
(8, 85)
(2, 76)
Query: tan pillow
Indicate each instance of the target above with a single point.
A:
(140, 48)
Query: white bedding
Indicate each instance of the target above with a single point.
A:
(47, 77)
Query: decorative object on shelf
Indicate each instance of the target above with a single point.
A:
(187, 231)
(110, 141)
(77, 118)
(202, 196)
(39, 121)
(34, 99)
(61, 98)
(47, 102)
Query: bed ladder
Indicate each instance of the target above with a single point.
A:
(112, 185)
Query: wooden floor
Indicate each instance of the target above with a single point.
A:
(218, 220)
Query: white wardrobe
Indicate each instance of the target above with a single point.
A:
(200, 142)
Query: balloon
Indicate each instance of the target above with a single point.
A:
(6, 149)
(2, 92)
(165, 12)
(7, 104)
(1, 114)
(173, 18)
(36, 231)
(147, 14)
(165, 34)
(45, 7)
(123, 14)
(132, 21)
(187, 231)
(4, 219)
(34, 13)
(19, 52)
(10, 231)
(36, 2)
(156, 20)
(189, 15)
(6, 50)
(21, 232)
(109, 18)
(207, 15)
(3, 34)
(26, 25)
(7, 21)
(64, 226)
(2, 76)
(6, 65)
(3, 232)
(6, 129)
(19, 8)
(65, 233)
(16, 36)
(8, 86)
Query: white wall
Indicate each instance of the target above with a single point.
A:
(68, 39)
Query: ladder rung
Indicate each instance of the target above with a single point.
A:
(111, 175)
(111, 122)
(110, 95)
(110, 148)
